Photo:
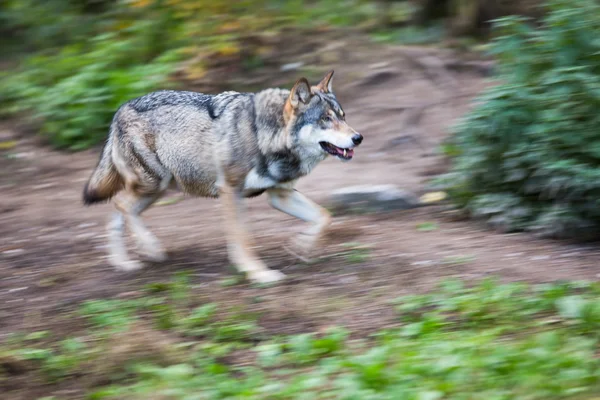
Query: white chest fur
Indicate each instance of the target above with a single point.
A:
(254, 181)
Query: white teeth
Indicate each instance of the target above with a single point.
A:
(345, 152)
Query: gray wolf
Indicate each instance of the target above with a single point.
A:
(231, 146)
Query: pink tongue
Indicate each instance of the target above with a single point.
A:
(340, 151)
(349, 152)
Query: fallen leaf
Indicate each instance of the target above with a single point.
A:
(9, 144)
(168, 202)
(433, 197)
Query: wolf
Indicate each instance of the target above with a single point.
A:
(230, 146)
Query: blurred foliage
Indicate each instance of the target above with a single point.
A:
(528, 156)
(472, 17)
(70, 64)
(81, 60)
(490, 341)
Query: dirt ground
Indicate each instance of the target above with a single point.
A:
(52, 248)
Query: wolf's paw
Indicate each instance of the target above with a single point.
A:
(302, 247)
(127, 266)
(155, 255)
(150, 248)
(265, 276)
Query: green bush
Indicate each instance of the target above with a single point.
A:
(81, 60)
(82, 67)
(489, 341)
(74, 111)
(528, 156)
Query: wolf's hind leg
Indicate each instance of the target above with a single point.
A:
(132, 205)
(118, 257)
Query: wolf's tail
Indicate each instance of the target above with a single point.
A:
(105, 181)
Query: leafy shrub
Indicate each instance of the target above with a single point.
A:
(529, 153)
(488, 341)
(86, 58)
(27, 25)
(72, 93)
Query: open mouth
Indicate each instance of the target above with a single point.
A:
(344, 154)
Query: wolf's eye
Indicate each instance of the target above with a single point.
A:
(326, 118)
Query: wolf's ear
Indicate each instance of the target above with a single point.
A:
(300, 93)
(325, 85)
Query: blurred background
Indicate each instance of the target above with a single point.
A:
(468, 267)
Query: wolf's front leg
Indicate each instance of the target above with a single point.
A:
(239, 243)
(294, 203)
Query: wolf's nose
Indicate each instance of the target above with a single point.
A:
(357, 139)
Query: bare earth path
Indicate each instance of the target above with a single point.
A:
(52, 252)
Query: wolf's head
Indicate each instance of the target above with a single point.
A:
(316, 121)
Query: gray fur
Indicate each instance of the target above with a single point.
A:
(247, 143)
(179, 133)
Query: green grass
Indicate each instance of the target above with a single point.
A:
(356, 253)
(491, 341)
(427, 226)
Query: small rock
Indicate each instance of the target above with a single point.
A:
(373, 198)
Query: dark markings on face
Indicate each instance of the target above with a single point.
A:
(318, 113)
(333, 104)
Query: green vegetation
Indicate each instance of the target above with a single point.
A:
(527, 156)
(77, 69)
(427, 226)
(490, 341)
(73, 63)
(356, 253)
